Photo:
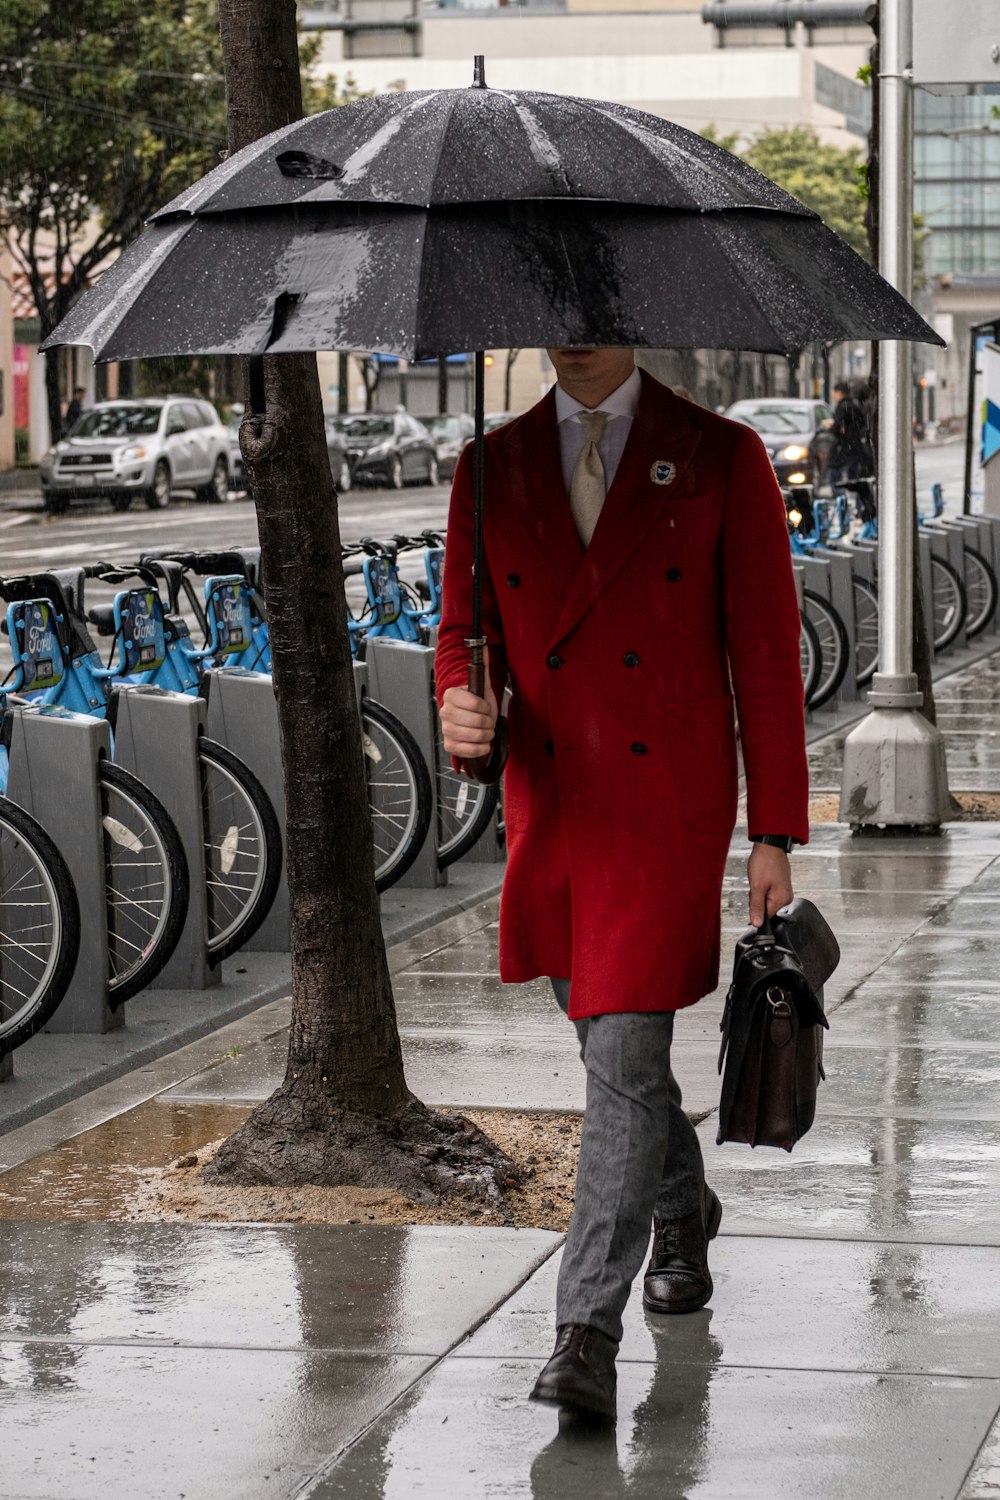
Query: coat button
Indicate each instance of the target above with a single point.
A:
(639, 748)
(631, 659)
(674, 575)
(554, 661)
(514, 580)
(550, 749)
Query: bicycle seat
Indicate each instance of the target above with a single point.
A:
(103, 616)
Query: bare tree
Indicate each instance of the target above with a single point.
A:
(343, 1114)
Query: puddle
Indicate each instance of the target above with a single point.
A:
(93, 1175)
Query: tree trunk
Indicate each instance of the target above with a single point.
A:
(442, 385)
(343, 384)
(343, 1114)
(53, 392)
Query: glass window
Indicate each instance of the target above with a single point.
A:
(193, 414)
(117, 421)
(775, 419)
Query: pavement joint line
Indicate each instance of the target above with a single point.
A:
(970, 1471)
(454, 1352)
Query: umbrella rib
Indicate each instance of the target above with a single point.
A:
(453, 100)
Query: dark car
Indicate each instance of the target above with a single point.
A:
(336, 447)
(392, 449)
(450, 434)
(793, 432)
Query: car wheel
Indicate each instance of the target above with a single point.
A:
(344, 477)
(158, 498)
(56, 503)
(433, 472)
(216, 490)
(396, 474)
(121, 502)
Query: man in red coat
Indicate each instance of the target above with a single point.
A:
(637, 588)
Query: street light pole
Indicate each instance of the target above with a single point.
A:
(894, 767)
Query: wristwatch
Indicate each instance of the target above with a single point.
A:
(779, 840)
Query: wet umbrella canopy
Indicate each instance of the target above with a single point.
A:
(433, 223)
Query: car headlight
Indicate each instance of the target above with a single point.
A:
(794, 518)
(793, 452)
(129, 455)
(796, 479)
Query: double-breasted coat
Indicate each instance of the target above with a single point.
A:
(625, 662)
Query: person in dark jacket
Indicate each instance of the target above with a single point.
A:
(74, 409)
(852, 454)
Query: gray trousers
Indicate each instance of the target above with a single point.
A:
(639, 1156)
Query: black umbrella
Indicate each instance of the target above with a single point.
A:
(432, 223)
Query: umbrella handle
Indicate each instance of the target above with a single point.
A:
(487, 768)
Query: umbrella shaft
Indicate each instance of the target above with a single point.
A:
(477, 498)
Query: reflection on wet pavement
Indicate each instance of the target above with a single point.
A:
(852, 1348)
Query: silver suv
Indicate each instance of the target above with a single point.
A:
(139, 447)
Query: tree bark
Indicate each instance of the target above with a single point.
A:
(343, 1114)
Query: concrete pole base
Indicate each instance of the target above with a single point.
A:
(895, 775)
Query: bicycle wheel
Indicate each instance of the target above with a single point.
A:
(980, 592)
(464, 807)
(810, 655)
(39, 926)
(399, 792)
(948, 595)
(865, 631)
(146, 882)
(832, 636)
(242, 849)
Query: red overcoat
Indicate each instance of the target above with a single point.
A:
(623, 662)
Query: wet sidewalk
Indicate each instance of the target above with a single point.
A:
(852, 1348)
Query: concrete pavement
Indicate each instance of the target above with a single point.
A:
(851, 1350)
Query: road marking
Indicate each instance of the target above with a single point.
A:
(16, 521)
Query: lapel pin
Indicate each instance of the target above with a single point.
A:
(663, 472)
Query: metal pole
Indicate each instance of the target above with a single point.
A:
(970, 420)
(894, 769)
(895, 430)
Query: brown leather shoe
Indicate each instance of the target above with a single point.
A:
(677, 1278)
(580, 1376)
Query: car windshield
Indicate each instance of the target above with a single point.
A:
(445, 429)
(368, 427)
(775, 419)
(117, 422)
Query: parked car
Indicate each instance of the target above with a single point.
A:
(392, 449)
(336, 447)
(793, 433)
(450, 434)
(147, 447)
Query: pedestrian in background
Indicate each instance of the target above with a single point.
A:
(637, 577)
(74, 408)
(852, 454)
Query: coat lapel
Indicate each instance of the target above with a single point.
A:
(660, 433)
(536, 494)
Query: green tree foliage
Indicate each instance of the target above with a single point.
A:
(108, 109)
(825, 178)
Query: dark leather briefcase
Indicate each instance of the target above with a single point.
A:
(772, 1028)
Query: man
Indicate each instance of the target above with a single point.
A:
(852, 453)
(74, 408)
(637, 578)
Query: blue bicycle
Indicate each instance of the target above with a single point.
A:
(241, 840)
(146, 875)
(236, 640)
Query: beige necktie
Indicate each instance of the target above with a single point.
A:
(587, 486)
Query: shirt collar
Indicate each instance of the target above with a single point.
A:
(621, 403)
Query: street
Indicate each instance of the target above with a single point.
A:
(31, 541)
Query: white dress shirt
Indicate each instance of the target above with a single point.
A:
(620, 406)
